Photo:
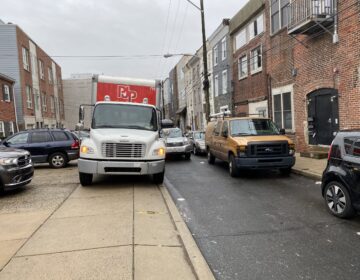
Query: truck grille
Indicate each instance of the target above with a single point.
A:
(123, 150)
(24, 160)
(268, 149)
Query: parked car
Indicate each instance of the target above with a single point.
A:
(249, 143)
(55, 146)
(16, 168)
(176, 143)
(341, 178)
(197, 139)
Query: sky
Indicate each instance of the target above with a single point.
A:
(138, 32)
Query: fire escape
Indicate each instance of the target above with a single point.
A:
(311, 16)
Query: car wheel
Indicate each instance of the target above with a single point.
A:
(158, 178)
(57, 160)
(233, 169)
(210, 157)
(187, 156)
(285, 171)
(85, 179)
(337, 200)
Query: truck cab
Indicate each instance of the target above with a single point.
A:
(124, 140)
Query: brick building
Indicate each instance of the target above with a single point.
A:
(313, 62)
(7, 107)
(38, 87)
(249, 34)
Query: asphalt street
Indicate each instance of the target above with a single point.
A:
(262, 225)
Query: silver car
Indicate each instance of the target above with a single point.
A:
(197, 139)
(176, 143)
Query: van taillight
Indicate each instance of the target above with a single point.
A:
(329, 155)
(75, 145)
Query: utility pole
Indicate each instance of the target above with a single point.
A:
(206, 74)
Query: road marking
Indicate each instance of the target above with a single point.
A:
(181, 199)
(358, 233)
(318, 183)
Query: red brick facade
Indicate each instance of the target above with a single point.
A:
(7, 109)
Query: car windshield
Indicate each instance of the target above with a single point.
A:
(199, 135)
(171, 133)
(124, 116)
(253, 127)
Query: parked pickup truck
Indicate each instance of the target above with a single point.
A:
(249, 143)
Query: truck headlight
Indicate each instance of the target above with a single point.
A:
(291, 149)
(8, 161)
(86, 150)
(159, 152)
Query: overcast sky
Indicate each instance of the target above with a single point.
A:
(128, 28)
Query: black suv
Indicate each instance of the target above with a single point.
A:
(55, 146)
(341, 178)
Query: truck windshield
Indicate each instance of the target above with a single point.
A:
(253, 127)
(124, 116)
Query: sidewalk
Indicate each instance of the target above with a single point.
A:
(111, 231)
(312, 168)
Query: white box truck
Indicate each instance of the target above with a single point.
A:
(124, 133)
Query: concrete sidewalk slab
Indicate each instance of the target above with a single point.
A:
(309, 167)
(8, 249)
(153, 263)
(78, 233)
(105, 263)
(103, 190)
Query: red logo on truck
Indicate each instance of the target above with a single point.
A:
(125, 94)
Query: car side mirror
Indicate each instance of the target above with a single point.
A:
(282, 131)
(226, 134)
(79, 126)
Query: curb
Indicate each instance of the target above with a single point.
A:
(198, 262)
(306, 173)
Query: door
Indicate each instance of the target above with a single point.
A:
(351, 163)
(223, 140)
(40, 145)
(216, 139)
(19, 141)
(323, 116)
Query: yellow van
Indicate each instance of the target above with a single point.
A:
(249, 143)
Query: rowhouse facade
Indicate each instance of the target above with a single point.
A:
(7, 107)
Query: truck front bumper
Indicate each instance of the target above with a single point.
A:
(120, 167)
(265, 163)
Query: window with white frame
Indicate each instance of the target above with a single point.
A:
(7, 96)
(243, 67)
(25, 57)
(279, 10)
(216, 85)
(41, 70)
(256, 27)
(52, 104)
(2, 129)
(283, 111)
(37, 99)
(216, 56)
(224, 82)
(44, 102)
(256, 60)
(28, 97)
(240, 39)
(223, 48)
(12, 128)
(50, 74)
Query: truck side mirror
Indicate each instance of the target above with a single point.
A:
(79, 126)
(282, 131)
(81, 114)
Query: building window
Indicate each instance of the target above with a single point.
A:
(240, 39)
(44, 102)
(224, 82)
(216, 84)
(52, 104)
(2, 129)
(243, 67)
(256, 60)
(12, 128)
(279, 14)
(28, 97)
(283, 110)
(6, 95)
(50, 74)
(216, 56)
(37, 99)
(41, 70)
(256, 27)
(223, 48)
(25, 56)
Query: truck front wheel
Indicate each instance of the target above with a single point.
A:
(158, 178)
(85, 179)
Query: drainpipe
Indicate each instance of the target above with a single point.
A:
(16, 117)
(270, 97)
(336, 22)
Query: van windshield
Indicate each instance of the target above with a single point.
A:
(253, 127)
(124, 116)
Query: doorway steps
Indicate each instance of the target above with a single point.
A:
(316, 152)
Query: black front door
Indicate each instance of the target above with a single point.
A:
(323, 116)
